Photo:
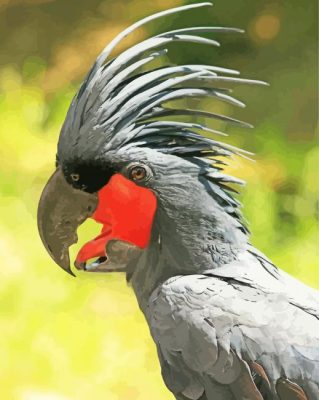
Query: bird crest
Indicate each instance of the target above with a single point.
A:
(118, 106)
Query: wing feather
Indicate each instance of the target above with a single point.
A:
(236, 334)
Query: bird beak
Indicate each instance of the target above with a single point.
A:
(61, 210)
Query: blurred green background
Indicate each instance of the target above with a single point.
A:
(64, 338)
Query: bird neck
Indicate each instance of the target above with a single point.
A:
(186, 242)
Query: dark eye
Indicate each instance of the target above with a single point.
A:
(75, 177)
(137, 173)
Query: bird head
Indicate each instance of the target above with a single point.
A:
(124, 160)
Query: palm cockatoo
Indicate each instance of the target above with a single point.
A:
(227, 323)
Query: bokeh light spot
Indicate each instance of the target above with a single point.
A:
(266, 27)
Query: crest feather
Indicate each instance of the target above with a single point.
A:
(117, 106)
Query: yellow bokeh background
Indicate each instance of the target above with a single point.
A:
(64, 338)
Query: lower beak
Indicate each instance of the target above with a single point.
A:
(61, 210)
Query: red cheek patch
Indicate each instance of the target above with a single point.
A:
(126, 211)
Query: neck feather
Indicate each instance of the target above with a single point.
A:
(186, 241)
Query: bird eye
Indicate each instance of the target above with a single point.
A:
(138, 173)
(75, 177)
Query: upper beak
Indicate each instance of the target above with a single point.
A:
(61, 210)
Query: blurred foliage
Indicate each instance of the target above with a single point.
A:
(65, 338)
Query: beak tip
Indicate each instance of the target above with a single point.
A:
(63, 261)
(70, 272)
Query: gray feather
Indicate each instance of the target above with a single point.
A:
(221, 316)
(164, 112)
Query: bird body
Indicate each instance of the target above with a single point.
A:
(228, 324)
(215, 327)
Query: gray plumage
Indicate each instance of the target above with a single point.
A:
(214, 327)
(227, 323)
